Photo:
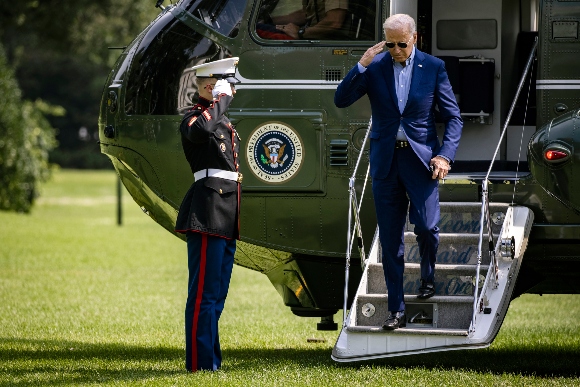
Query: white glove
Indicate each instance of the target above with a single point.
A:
(221, 87)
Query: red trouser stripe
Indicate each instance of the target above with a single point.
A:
(198, 301)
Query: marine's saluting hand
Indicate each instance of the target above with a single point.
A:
(369, 55)
(221, 87)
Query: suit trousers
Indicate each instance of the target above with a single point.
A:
(408, 181)
(210, 262)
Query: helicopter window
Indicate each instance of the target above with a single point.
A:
(156, 83)
(466, 34)
(316, 20)
(223, 16)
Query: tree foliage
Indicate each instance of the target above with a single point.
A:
(56, 55)
(59, 50)
(82, 27)
(26, 137)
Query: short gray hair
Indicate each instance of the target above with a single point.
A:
(400, 21)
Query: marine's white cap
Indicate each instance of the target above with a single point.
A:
(221, 69)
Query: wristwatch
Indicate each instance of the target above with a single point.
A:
(301, 32)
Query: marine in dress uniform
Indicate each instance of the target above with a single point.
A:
(209, 213)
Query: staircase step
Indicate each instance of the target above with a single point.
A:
(450, 280)
(442, 322)
(465, 217)
(453, 248)
(411, 331)
(444, 311)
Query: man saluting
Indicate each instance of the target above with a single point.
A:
(406, 159)
(209, 213)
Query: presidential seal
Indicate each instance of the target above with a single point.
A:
(274, 152)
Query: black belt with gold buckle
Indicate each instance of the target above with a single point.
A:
(401, 144)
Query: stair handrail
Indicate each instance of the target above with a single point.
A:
(493, 267)
(354, 209)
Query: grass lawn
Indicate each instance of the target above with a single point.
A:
(85, 301)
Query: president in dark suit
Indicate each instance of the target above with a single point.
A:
(404, 86)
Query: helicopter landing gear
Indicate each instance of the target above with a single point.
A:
(327, 324)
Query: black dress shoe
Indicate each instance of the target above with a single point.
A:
(426, 290)
(395, 320)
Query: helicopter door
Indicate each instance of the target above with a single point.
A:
(467, 36)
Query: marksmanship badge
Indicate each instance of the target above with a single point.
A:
(274, 152)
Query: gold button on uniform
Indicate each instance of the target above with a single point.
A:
(221, 191)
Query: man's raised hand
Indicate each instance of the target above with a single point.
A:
(221, 87)
(370, 54)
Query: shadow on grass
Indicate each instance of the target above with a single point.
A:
(546, 362)
(67, 362)
(526, 361)
(58, 362)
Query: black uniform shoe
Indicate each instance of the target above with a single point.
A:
(426, 290)
(395, 320)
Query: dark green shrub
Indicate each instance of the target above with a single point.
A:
(26, 137)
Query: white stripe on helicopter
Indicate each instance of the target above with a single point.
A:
(245, 83)
(559, 84)
(279, 84)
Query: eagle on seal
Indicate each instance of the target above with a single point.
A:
(274, 154)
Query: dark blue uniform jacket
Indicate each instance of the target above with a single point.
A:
(209, 140)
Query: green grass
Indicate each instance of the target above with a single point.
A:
(84, 301)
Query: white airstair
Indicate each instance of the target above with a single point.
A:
(444, 321)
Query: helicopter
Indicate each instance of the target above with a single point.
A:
(514, 66)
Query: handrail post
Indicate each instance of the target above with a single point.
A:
(352, 206)
(479, 245)
(348, 249)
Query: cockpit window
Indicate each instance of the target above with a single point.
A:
(224, 16)
(316, 20)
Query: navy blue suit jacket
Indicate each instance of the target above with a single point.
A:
(430, 87)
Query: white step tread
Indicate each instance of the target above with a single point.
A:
(440, 267)
(414, 299)
(445, 236)
(410, 331)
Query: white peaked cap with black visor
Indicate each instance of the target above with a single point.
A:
(220, 69)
